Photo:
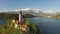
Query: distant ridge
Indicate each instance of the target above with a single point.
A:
(31, 11)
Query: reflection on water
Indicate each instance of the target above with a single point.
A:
(47, 25)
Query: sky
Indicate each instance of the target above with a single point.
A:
(41, 4)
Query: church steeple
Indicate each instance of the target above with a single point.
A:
(20, 16)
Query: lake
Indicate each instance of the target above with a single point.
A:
(2, 21)
(47, 25)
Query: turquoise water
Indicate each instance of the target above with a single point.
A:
(47, 25)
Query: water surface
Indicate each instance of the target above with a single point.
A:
(2, 21)
(47, 25)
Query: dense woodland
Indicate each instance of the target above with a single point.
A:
(8, 16)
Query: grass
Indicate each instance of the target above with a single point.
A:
(8, 27)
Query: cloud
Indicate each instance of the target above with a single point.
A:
(16, 10)
(36, 10)
(25, 9)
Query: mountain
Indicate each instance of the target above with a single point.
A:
(33, 11)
